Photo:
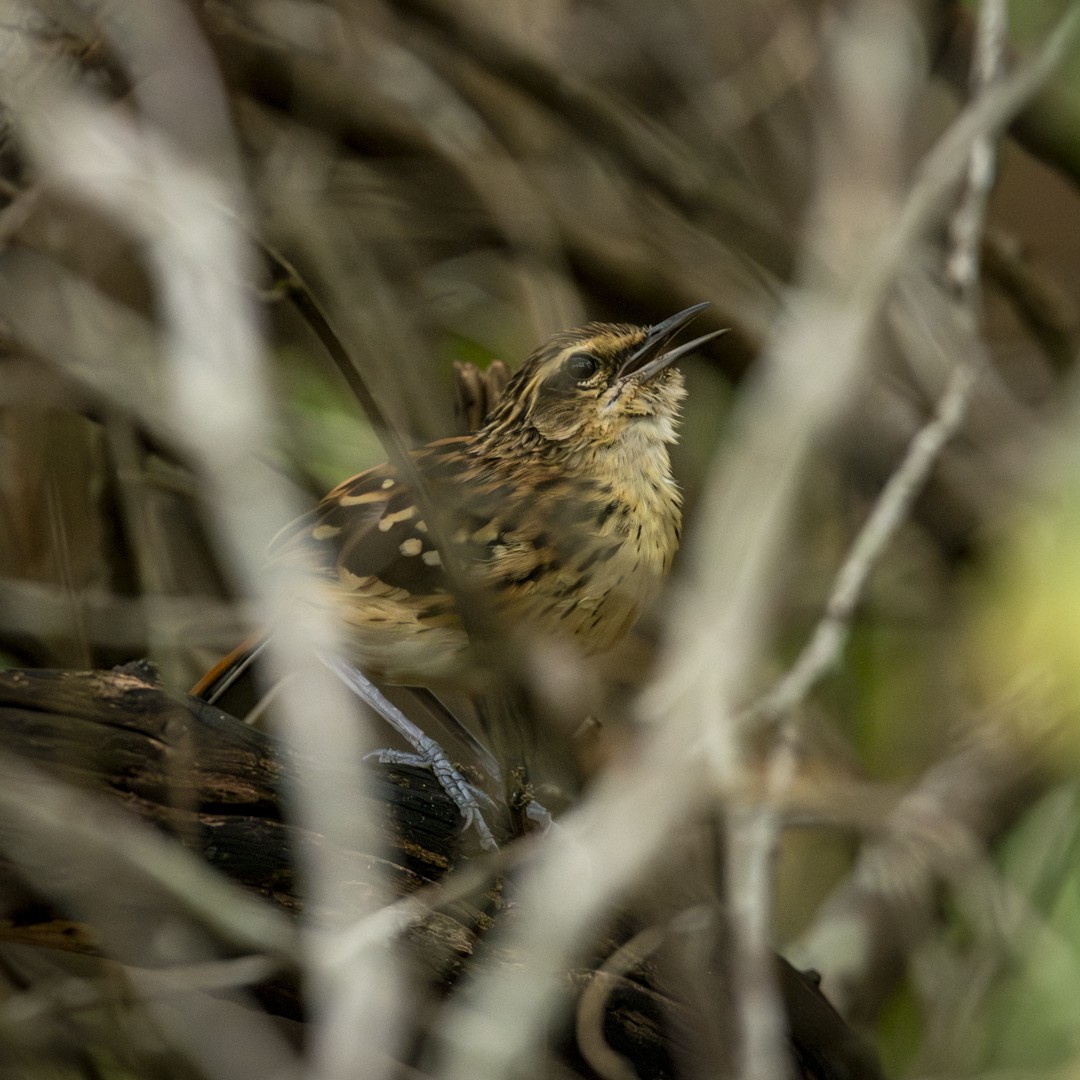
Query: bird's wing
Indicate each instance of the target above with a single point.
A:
(369, 534)
(369, 527)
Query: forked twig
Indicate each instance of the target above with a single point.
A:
(827, 642)
(754, 828)
(822, 652)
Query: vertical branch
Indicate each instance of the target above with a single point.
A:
(966, 223)
(173, 182)
(872, 67)
(894, 503)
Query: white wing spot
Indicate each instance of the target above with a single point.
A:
(388, 521)
(432, 558)
(325, 532)
(413, 546)
(359, 500)
(387, 483)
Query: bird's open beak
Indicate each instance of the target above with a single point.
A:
(649, 359)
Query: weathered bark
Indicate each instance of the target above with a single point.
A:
(217, 786)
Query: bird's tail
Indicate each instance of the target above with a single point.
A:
(230, 669)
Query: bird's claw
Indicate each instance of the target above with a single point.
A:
(427, 752)
(461, 793)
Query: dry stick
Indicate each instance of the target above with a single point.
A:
(823, 650)
(966, 224)
(289, 279)
(826, 644)
(891, 509)
(292, 285)
(757, 839)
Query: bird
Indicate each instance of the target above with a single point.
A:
(557, 518)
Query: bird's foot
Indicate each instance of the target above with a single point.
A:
(427, 752)
(465, 796)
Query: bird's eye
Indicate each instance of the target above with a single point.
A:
(580, 366)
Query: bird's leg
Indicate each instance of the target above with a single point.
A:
(427, 751)
(484, 758)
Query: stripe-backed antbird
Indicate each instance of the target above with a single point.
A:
(559, 517)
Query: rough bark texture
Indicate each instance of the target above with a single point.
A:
(215, 784)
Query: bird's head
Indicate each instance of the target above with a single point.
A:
(597, 384)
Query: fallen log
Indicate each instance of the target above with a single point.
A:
(89, 759)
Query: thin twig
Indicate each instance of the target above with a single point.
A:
(290, 281)
(826, 644)
(966, 223)
(754, 830)
(891, 509)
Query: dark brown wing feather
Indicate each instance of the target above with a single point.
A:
(368, 526)
(533, 543)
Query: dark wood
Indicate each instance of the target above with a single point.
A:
(199, 774)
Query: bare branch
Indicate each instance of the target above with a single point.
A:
(822, 652)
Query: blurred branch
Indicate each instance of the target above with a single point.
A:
(889, 512)
(32, 609)
(171, 179)
(1046, 126)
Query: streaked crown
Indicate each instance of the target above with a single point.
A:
(593, 383)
